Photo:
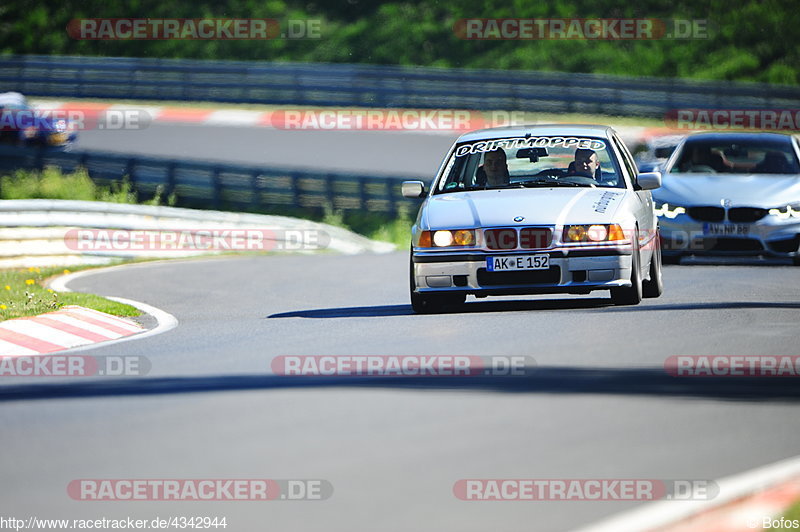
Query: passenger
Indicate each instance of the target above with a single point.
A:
(586, 164)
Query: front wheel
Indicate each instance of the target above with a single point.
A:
(654, 286)
(630, 295)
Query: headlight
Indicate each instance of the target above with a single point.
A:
(593, 233)
(668, 210)
(444, 238)
(788, 211)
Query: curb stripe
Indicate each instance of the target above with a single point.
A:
(124, 331)
(28, 342)
(8, 349)
(102, 316)
(71, 329)
(37, 330)
(75, 322)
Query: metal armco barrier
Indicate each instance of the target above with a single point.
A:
(200, 184)
(377, 86)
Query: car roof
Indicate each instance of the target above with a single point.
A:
(738, 136)
(571, 130)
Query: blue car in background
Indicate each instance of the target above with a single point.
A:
(23, 125)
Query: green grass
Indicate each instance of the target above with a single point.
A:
(51, 183)
(22, 293)
(792, 514)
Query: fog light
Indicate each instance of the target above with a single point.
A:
(576, 233)
(464, 237)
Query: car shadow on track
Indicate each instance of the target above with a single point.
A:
(555, 380)
(531, 305)
(470, 307)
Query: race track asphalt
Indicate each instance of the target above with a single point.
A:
(599, 404)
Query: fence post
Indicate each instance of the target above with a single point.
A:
(216, 184)
(362, 193)
(294, 187)
(255, 190)
(130, 171)
(170, 188)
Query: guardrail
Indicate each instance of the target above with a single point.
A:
(201, 184)
(376, 86)
(41, 232)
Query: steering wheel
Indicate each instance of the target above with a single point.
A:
(550, 172)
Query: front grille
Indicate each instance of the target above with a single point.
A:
(523, 277)
(535, 237)
(706, 214)
(746, 214)
(788, 245)
(733, 244)
(513, 238)
(501, 238)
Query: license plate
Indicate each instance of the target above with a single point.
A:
(517, 262)
(726, 229)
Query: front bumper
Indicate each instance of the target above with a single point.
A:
(683, 235)
(572, 270)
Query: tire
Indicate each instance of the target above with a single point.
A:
(630, 295)
(430, 303)
(654, 286)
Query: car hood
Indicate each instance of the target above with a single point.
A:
(538, 206)
(752, 190)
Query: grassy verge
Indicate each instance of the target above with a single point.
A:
(792, 514)
(51, 183)
(22, 293)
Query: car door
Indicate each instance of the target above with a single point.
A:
(644, 212)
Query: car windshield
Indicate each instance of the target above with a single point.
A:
(736, 156)
(529, 162)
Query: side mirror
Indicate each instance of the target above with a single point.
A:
(413, 189)
(649, 180)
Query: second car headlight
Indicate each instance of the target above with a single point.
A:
(669, 210)
(788, 211)
(444, 238)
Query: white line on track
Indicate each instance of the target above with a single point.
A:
(663, 513)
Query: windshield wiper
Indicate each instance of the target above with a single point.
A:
(554, 184)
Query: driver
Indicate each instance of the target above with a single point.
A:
(494, 171)
(585, 164)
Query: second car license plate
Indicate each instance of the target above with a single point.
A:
(726, 229)
(517, 262)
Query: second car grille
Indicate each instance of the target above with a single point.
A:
(707, 214)
(746, 214)
(523, 238)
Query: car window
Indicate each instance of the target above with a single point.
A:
(530, 162)
(627, 161)
(736, 156)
